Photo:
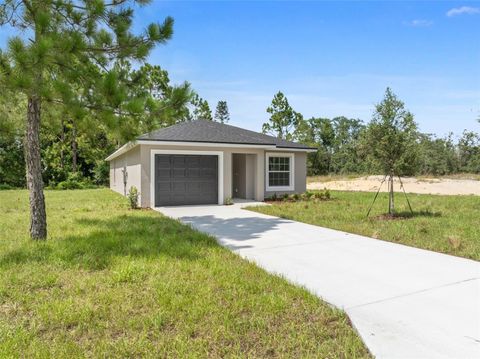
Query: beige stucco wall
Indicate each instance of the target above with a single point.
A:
(131, 161)
(138, 162)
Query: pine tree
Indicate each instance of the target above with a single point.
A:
(167, 104)
(201, 109)
(68, 61)
(221, 112)
(283, 119)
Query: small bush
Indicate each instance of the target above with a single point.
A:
(322, 195)
(101, 173)
(5, 186)
(74, 181)
(228, 201)
(274, 197)
(285, 197)
(306, 196)
(133, 196)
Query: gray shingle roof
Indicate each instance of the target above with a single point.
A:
(215, 132)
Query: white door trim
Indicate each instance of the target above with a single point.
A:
(219, 154)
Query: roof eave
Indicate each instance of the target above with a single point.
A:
(125, 148)
(272, 147)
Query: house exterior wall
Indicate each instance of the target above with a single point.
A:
(131, 162)
(300, 173)
(138, 161)
(146, 174)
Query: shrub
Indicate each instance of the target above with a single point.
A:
(133, 196)
(101, 173)
(285, 197)
(274, 197)
(228, 201)
(322, 195)
(5, 186)
(74, 181)
(306, 196)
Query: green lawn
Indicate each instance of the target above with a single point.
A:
(447, 224)
(112, 282)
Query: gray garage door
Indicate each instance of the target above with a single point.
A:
(186, 179)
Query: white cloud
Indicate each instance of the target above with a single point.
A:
(419, 23)
(463, 10)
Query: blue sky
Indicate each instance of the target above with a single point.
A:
(329, 58)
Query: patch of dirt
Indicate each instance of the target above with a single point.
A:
(441, 186)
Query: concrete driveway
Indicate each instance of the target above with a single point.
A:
(404, 302)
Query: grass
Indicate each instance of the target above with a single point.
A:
(446, 224)
(113, 282)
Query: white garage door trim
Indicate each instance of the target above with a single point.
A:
(219, 154)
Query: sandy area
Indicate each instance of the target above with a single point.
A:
(411, 184)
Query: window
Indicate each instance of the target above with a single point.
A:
(279, 172)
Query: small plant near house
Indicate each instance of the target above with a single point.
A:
(133, 196)
(322, 195)
(228, 201)
(306, 196)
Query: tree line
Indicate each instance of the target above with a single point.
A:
(73, 149)
(348, 145)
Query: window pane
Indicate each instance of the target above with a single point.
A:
(277, 179)
(279, 163)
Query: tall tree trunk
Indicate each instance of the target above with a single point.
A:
(62, 140)
(74, 148)
(391, 203)
(38, 216)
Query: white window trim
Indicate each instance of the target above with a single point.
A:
(292, 171)
(219, 154)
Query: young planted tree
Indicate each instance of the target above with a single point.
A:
(221, 112)
(64, 55)
(391, 140)
(283, 119)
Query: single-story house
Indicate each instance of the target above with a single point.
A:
(206, 162)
